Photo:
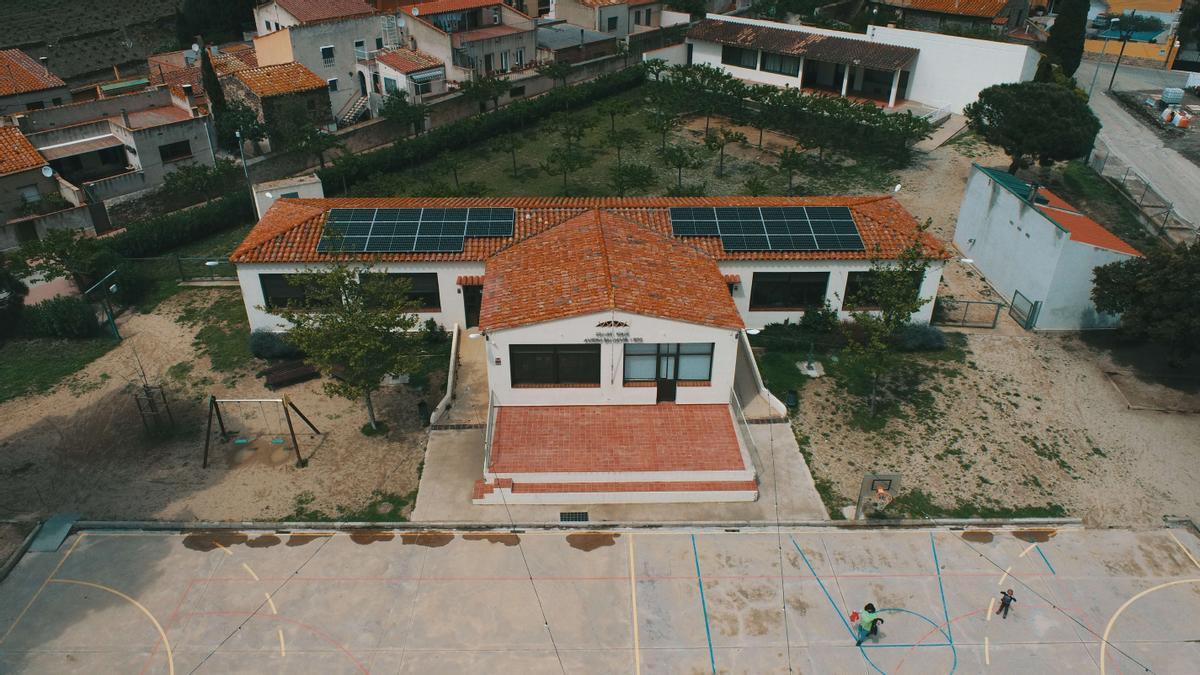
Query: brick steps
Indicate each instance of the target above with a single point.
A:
(504, 490)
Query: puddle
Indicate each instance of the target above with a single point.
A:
(263, 541)
(207, 541)
(978, 536)
(365, 537)
(590, 541)
(429, 539)
(304, 538)
(1034, 536)
(506, 539)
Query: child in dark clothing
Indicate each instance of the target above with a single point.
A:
(1006, 599)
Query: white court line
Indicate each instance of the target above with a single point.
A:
(1185, 549)
(1027, 550)
(271, 603)
(987, 655)
(250, 571)
(637, 653)
(991, 605)
(224, 550)
(282, 649)
(1004, 576)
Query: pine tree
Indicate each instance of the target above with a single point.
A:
(1065, 44)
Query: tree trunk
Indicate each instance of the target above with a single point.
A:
(454, 170)
(679, 179)
(760, 137)
(371, 412)
(721, 163)
(1016, 164)
(514, 159)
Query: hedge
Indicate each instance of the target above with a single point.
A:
(349, 169)
(147, 238)
(60, 317)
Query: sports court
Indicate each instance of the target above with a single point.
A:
(645, 601)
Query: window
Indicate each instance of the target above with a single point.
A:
(420, 88)
(637, 17)
(543, 7)
(860, 296)
(780, 64)
(378, 43)
(57, 100)
(554, 364)
(788, 290)
(520, 57)
(276, 25)
(649, 11)
(688, 361)
(114, 156)
(612, 23)
(29, 194)
(327, 55)
(390, 86)
(35, 105)
(736, 56)
(503, 60)
(268, 25)
(172, 152)
(289, 195)
(423, 287)
(360, 49)
(279, 292)
(332, 84)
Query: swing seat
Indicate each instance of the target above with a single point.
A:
(277, 441)
(241, 441)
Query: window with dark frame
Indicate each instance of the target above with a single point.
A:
(775, 291)
(686, 362)
(612, 23)
(423, 287)
(327, 56)
(278, 291)
(554, 364)
(172, 152)
(742, 58)
(859, 294)
(780, 64)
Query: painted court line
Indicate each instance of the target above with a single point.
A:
(941, 589)
(1185, 549)
(41, 588)
(712, 659)
(637, 650)
(162, 634)
(1045, 559)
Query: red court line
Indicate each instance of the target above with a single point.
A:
(279, 617)
(168, 623)
(525, 579)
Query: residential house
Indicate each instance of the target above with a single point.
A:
(279, 14)
(957, 15)
(306, 186)
(412, 71)
(1036, 250)
(178, 68)
(472, 36)
(560, 41)
(615, 17)
(26, 84)
(887, 65)
(280, 91)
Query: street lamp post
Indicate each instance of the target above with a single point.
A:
(245, 169)
(1125, 35)
(1103, 51)
(1167, 62)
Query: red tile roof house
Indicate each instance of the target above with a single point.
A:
(23, 187)
(958, 15)
(26, 84)
(275, 91)
(1036, 250)
(614, 328)
(615, 17)
(473, 36)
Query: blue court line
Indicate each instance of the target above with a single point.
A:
(712, 659)
(909, 645)
(1045, 560)
(941, 589)
(829, 597)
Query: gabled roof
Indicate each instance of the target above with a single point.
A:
(828, 48)
(291, 228)
(279, 79)
(20, 74)
(442, 6)
(321, 10)
(1061, 214)
(980, 8)
(610, 3)
(407, 60)
(16, 152)
(599, 262)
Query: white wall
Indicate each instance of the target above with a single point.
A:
(305, 187)
(452, 309)
(953, 70)
(1069, 303)
(275, 14)
(612, 390)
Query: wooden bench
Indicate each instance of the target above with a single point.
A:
(289, 373)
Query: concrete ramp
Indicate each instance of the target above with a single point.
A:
(948, 129)
(53, 532)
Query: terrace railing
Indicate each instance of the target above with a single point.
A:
(487, 437)
(743, 429)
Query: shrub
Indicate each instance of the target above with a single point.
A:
(688, 190)
(267, 344)
(60, 317)
(154, 236)
(432, 333)
(917, 337)
(819, 320)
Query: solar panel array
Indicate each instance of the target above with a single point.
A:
(411, 230)
(771, 228)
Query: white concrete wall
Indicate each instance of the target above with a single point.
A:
(612, 390)
(1069, 304)
(1012, 244)
(452, 309)
(275, 14)
(953, 70)
(307, 40)
(305, 187)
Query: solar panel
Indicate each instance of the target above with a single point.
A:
(411, 229)
(771, 228)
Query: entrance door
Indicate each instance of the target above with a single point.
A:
(472, 300)
(668, 371)
(487, 63)
(362, 84)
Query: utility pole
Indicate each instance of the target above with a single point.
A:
(1103, 51)
(1126, 33)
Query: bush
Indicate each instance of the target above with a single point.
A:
(819, 320)
(267, 344)
(917, 337)
(154, 236)
(60, 317)
(432, 333)
(688, 190)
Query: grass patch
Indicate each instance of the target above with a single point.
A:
(380, 429)
(917, 504)
(1089, 192)
(780, 374)
(435, 357)
(833, 500)
(37, 366)
(224, 332)
(384, 507)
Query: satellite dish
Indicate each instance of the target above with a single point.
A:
(47, 171)
(195, 47)
(416, 11)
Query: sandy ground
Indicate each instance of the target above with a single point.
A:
(1030, 419)
(82, 447)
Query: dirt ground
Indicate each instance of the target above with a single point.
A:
(82, 448)
(1029, 419)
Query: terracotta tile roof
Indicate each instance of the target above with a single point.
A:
(19, 74)
(441, 6)
(407, 60)
(610, 3)
(321, 10)
(614, 438)
(828, 48)
(284, 78)
(981, 8)
(16, 152)
(733, 278)
(599, 261)
(470, 280)
(228, 64)
(291, 228)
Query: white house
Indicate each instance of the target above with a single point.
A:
(888, 65)
(1037, 250)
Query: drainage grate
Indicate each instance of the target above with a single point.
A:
(573, 517)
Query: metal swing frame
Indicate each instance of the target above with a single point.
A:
(214, 412)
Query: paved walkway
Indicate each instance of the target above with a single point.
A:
(589, 602)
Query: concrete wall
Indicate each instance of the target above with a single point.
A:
(1068, 304)
(19, 103)
(575, 13)
(305, 187)
(117, 186)
(953, 70)
(147, 141)
(612, 390)
(75, 218)
(86, 111)
(452, 310)
(276, 15)
(307, 40)
(11, 201)
(275, 48)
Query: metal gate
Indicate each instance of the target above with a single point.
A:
(1024, 311)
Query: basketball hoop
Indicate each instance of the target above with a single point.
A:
(876, 493)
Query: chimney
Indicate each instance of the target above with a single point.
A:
(125, 119)
(1033, 193)
(187, 93)
(43, 60)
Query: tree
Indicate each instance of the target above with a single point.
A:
(398, 108)
(484, 89)
(212, 86)
(293, 128)
(565, 160)
(631, 177)
(237, 116)
(12, 294)
(1065, 44)
(1156, 297)
(655, 67)
(626, 138)
(614, 108)
(767, 98)
(353, 326)
(720, 138)
(65, 254)
(791, 162)
(1033, 120)
(680, 157)
(557, 71)
(662, 121)
(510, 143)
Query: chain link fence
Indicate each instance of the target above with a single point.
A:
(1154, 207)
(180, 268)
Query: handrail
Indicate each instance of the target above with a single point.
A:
(487, 437)
(743, 427)
(451, 377)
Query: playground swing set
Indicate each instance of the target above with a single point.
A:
(245, 436)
